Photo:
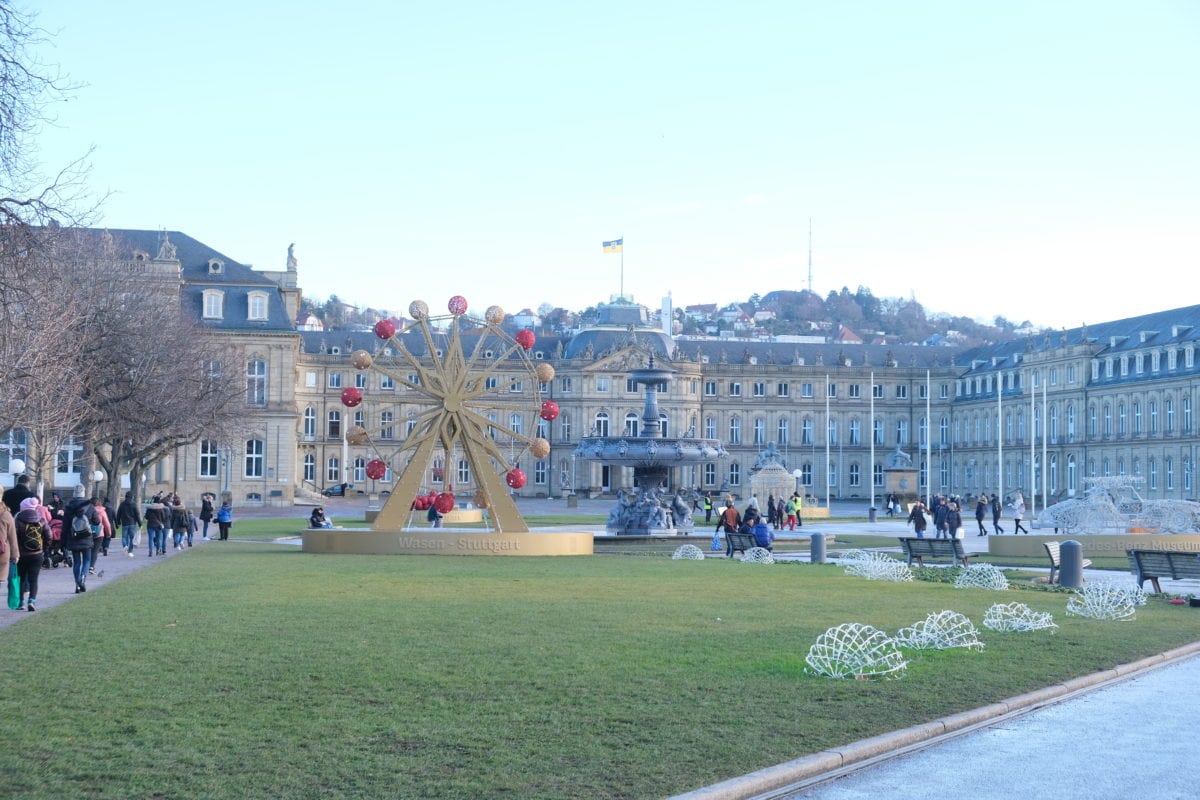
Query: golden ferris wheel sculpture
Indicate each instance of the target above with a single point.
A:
(477, 397)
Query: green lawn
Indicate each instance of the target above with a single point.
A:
(255, 670)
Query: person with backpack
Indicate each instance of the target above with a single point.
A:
(996, 513)
(434, 516)
(81, 527)
(130, 520)
(33, 532)
(104, 535)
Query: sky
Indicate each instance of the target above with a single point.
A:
(1032, 160)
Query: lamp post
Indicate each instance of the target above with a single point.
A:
(16, 468)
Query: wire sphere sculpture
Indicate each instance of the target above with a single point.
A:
(942, 630)
(854, 650)
(758, 555)
(879, 567)
(1107, 601)
(687, 552)
(1017, 617)
(981, 576)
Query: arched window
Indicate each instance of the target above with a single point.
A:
(601, 426)
(632, 423)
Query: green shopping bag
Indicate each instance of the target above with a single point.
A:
(14, 587)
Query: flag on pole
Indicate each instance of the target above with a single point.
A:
(615, 246)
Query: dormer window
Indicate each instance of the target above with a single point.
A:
(216, 266)
(257, 306)
(214, 304)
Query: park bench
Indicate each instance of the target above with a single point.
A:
(1053, 550)
(1150, 565)
(739, 541)
(919, 549)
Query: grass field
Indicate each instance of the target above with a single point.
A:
(256, 670)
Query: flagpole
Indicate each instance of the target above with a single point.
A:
(928, 444)
(827, 441)
(872, 435)
(1032, 446)
(1000, 437)
(622, 268)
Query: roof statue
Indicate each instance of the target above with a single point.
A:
(899, 459)
(291, 261)
(166, 250)
(769, 456)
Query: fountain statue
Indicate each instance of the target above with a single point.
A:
(651, 506)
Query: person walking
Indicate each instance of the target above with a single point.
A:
(954, 521)
(157, 519)
(8, 545)
(19, 492)
(101, 540)
(1018, 507)
(206, 512)
(130, 520)
(81, 526)
(996, 514)
(917, 519)
(708, 508)
(225, 519)
(981, 509)
(179, 522)
(33, 532)
(940, 509)
(728, 523)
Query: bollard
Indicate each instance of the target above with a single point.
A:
(572, 500)
(1070, 569)
(871, 514)
(816, 551)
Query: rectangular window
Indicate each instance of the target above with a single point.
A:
(310, 380)
(760, 389)
(922, 391)
(781, 389)
(944, 391)
(855, 390)
(710, 388)
(630, 386)
(256, 383)
(387, 383)
(735, 389)
(831, 390)
(806, 390)
(360, 380)
(333, 426)
(877, 391)
(901, 392)
(335, 380)
(565, 384)
(209, 459)
(255, 458)
(602, 383)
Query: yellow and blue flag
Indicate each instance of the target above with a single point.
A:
(615, 246)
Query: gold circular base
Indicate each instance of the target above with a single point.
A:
(446, 542)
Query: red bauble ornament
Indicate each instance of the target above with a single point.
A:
(444, 503)
(457, 304)
(376, 469)
(351, 397)
(525, 338)
(515, 478)
(549, 410)
(385, 329)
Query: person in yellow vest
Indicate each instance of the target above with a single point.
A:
(794, 505)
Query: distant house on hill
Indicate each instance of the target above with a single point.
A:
(701, 312)
(309, 322)
(844, 335)
(526, 318)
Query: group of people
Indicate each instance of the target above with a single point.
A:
(947, 516)
(77, 533)
(751, 521)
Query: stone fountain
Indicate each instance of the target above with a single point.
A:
(652, 506)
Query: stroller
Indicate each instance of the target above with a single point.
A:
(55, 553)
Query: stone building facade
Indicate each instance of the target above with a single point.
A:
(1036, 414)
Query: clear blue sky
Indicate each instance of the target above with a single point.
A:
(1036, 160)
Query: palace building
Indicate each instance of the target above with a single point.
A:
(1036, 414)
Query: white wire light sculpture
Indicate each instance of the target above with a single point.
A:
(688, 552)
(855, 650)
(1017, 617)
(981, 576)
(1110, 601)
(942, 630)
(758, 555)
(879, 567)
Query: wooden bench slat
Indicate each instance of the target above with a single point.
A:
(1150, 565)
(917, 549)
